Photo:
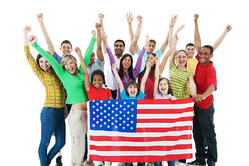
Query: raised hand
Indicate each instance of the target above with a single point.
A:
(78, 51)
(157, 59)
(228, 28)
(40, 17)
(93, 33)
(140, 19)
(101, 17)
(27, 29)
(32, 39)
(98, 26)
(173, 21)
(129, 17)
(196, 16)
(179, 29)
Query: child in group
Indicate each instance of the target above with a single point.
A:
(162, 90)
(95, 90)
(132, 89)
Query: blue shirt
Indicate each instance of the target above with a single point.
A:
(124, 95)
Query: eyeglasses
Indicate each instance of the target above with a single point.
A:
(118, 45)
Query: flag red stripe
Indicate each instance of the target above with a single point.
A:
(139, 139)
(164, 111)
(165, 101)
(165, 120)
(141, 148)
(179, 128)
(140, 158)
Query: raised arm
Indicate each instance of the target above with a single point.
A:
(26, 30)
(118, 79)
(56, 66)
(129, 19)
(108, 50)
(197, 37)
(221, 38)
(192, 86)
(99, 48)
(157, 76)
(147, 71)
(84, 69)
(133, 46)
(45, 34)
(90, 48)
(101, 17)
(136, 69)
(171, 27)
(172, 54)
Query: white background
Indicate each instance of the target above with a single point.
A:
(22, 95)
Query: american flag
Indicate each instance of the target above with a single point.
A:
(140, 130)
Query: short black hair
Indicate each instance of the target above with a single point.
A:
(66, 41)
(98, 72)
(211, 49)
(152, 41)
(119, 40)
(190, 44)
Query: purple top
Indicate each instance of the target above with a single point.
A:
(135, 71)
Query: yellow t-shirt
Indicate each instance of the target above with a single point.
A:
(191, 66)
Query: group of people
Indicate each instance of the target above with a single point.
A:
(69, 87)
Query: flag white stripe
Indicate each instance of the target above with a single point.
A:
(148, 134)
(127, 143)
(164, 106)
(162, 125)
(164, 116)
(140, 153)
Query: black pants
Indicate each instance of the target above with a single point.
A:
(203, 128)
(114, 93)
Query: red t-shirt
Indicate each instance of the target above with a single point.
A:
(205, 75)
(98, 94)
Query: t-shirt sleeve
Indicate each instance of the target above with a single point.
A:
(211, 78)
(57, 57)
(123, 95)
(159, 53)
(109, 93)
(197, 57)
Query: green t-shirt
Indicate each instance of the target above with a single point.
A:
(75, 86)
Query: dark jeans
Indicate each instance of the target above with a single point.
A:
(52, 122)
(203, 129)
(159, 163)
(114, 93)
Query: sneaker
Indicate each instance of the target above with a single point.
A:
(211, 163)
(58, 161)
(177, 163)
(197, 163)
(149, 164)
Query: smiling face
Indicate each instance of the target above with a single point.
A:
(97, 81)
(151, 60)
(119, 49)
(132, 90)
(70, 66)
(181, 59)
(66, 48)
(126, 62)
(163, 87)
(205, 56)
(190, 51)
(152, 47)
(43, 63)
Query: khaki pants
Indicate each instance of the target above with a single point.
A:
(77, 121)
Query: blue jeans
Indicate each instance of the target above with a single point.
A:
(159, 163)
(52, 122)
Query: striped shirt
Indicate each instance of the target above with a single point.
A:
(178, 79)
(55, 96)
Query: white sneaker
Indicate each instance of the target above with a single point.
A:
(177, 163)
